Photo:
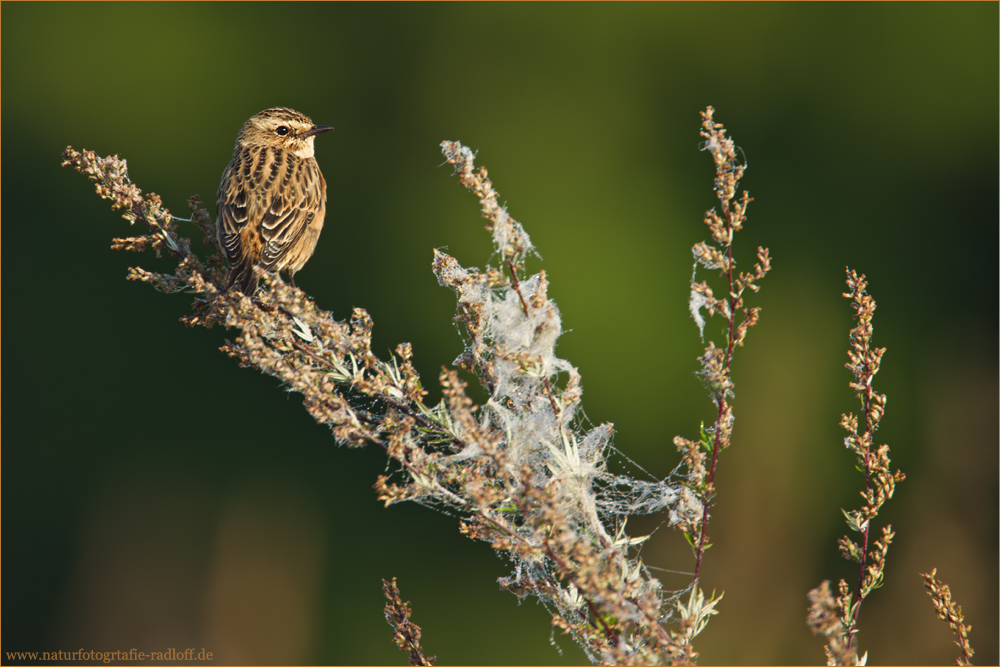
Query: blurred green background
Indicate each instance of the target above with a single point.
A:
(155, 495)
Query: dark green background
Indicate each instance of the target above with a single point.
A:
(155, 495)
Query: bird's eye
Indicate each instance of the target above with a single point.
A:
(282, 130)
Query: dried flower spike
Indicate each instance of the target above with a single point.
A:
(700, 459)
(405, 632)
(880, 481)
(951, 613)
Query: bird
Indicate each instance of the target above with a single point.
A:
(272, 198)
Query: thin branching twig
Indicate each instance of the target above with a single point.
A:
(880, 483)
(716, 362)
(951, 613)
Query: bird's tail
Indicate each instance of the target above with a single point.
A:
(244, 278)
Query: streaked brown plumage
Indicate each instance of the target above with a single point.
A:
(272, 198)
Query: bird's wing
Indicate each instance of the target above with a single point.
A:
(233, 201)
(293, 201)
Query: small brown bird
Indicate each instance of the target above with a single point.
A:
(272, 198)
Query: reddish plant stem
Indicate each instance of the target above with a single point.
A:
(869, 437)
(552, 398)
(517, 285)
(524, 307)
(721, 400)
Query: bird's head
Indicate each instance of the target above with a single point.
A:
(281, 128)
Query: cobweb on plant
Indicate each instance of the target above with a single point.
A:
(527, 469)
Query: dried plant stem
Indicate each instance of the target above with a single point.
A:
(703, 536)
(863, 561)
(525, 470)
(405, 632)
(880, 484)
(717, 362)
(527, 473)
(951, 613)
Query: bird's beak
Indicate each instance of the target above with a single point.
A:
(316, 129)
